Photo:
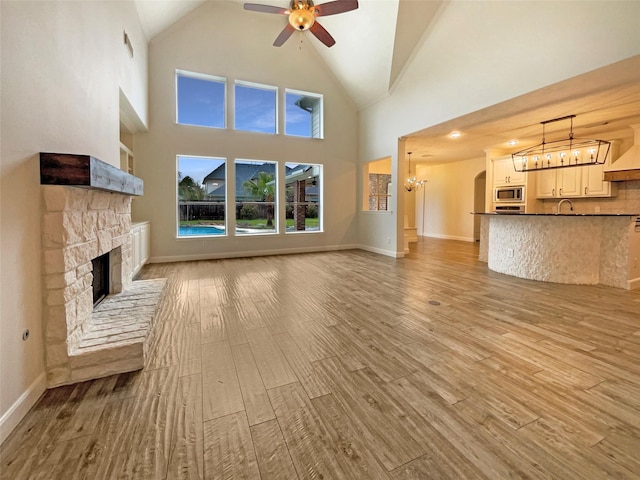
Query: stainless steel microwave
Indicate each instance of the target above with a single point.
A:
(509, 194)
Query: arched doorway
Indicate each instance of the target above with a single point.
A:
(479, 193)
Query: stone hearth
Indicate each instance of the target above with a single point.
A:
(80, 224)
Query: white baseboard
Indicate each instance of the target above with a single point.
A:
(19, 409)
(448, 237)
(633, 284)
(249, 253)
(381, 251)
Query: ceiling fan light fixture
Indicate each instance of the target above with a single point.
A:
(301, 19)
(302, 16)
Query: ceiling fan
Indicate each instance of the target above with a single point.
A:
(302, 16)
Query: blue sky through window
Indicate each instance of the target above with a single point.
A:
(197, 167)
(298, 121)
(255, 109)
(201, 102)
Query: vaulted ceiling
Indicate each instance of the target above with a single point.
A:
(370, 49)
(374, 44)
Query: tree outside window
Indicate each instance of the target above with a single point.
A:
(202, 196)
(256, 197)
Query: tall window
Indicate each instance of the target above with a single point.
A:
(256, 197)
(255, 107)
(200, 99)
(379, 191)
(377, 185)
(202, 196)
(303, 197)
(303, 114)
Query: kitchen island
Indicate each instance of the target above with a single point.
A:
(564, 248)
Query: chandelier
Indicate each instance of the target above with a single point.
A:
(412, 182)
(569, 152)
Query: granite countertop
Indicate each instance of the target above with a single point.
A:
(565, 214)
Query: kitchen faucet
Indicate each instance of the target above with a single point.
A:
(565, 200)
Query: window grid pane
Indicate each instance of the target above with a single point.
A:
(303, 114)
(256, 108)
(303, 198)
(378, 191)
(200, 100)
(256, 197)
(201, 196)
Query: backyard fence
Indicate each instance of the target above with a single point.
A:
(207, 210)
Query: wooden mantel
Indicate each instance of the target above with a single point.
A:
(622, 175)
(87, 172)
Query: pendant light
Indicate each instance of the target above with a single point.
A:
(569, 152)
(412, 184)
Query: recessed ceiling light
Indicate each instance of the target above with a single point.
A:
(513, 142)
(455, 134)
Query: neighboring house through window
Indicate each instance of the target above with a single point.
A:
(202, 202)
(256, 197)
(303, 114)
(202, 196)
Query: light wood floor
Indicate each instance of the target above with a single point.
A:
(350, 365)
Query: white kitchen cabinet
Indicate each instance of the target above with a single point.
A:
(546, 180)
(505, 174)
(583, 181)
(140, 245)
(546, 184)
(593, 183)
(569, 182)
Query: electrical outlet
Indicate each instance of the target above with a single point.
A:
(389, 240)
(510, 252)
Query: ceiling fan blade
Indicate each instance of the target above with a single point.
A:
(337, 6)
(322, 35)
(256, 7)
(284, 35)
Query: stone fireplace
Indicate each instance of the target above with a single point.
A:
(80, 225)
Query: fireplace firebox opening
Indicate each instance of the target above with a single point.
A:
(101, 269)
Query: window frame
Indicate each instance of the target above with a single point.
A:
(276, 214)
(320, 113)
(257, 86)
(319, 205)
(379, 195)
(225, 162)
(206, 77)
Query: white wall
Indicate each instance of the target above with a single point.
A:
(481, 53)
(444, 205)
(63, 65)
(222, 39)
